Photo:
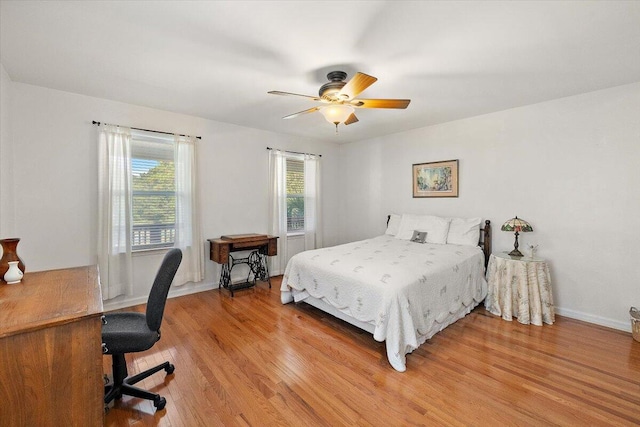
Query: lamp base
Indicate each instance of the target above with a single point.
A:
(516, 253)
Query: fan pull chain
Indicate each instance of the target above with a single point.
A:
(336, 123)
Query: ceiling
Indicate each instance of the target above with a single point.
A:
(218, 60)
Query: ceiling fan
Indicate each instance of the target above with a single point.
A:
(339, 98)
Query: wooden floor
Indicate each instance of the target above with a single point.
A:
(250, 361)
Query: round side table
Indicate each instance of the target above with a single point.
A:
(520, 287)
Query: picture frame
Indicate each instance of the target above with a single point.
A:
(435, 179)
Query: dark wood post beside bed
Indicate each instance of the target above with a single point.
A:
(485, 241)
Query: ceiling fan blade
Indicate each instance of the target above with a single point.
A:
(277, 92)
(310, 110)
(352, 119)
(357, 84)
(381, 103)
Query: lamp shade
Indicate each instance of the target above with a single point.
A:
(337, 113)
(517, 224)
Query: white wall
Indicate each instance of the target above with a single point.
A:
(571, 167)
(6, 156)
(55, 179)
(568, 166)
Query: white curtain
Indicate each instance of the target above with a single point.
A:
(187, 219)
(114, 211)
(278, 205)
(312, 217)
(278, 209)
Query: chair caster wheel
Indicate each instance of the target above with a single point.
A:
(159, 403)
(169, 369)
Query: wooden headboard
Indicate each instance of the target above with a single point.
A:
(484, 242)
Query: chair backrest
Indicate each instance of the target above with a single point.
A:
(160, 289)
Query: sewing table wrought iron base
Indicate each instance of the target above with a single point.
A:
(260, 245)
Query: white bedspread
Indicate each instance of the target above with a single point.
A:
(408, 291)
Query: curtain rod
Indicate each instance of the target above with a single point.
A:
(294, 152)
(146, 130)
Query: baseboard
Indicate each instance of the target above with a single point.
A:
(602, 321)
(177, 291)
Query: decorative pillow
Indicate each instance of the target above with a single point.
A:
(394, 224)
(419, 236)
(436, 227)
(464, 231)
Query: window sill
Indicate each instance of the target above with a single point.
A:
(150, 251)
(297, 234)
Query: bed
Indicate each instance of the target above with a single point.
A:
(402, 287)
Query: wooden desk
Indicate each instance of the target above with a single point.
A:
(260, 245)
(50, 349)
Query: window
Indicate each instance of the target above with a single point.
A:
(147, 199)
(294, 204)
(295, 196)
(153, 201)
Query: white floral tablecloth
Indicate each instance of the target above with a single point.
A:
(520, 288)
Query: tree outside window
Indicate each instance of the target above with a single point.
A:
(154, 196)
(295, 196)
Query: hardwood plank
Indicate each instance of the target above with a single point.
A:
(250, 361)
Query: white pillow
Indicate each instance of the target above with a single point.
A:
(394, 224)
(436, 227)
(464, 231)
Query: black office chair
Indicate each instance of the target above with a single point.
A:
(132, 332)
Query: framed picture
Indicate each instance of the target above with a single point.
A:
(435, 179)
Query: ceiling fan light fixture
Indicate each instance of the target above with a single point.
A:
(339, 98)
(338, 113)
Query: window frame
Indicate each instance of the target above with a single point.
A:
(296, 231)
(144, 142)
